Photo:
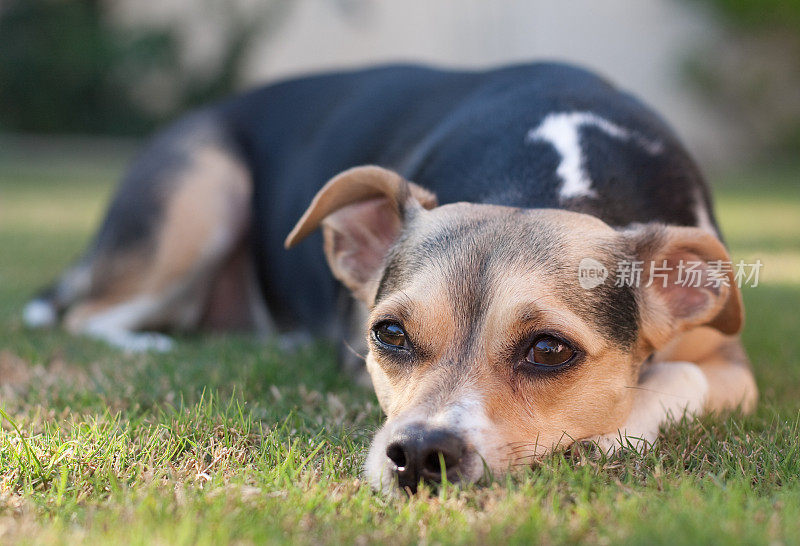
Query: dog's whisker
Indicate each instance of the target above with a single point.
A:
(645, 389)
(526, 442)
(528, 447)
(521, 465)
(352, 350)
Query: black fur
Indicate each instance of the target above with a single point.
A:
(460, 134)
(473, 254)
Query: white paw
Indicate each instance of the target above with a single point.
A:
(673, 389)
(667, 391)
(134, 342)
(39, 314)
(610, 443)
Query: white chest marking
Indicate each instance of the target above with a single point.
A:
(562, 131)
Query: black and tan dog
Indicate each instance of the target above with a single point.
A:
(484, 348)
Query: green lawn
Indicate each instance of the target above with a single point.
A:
(229, 440)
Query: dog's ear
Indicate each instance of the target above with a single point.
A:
(362, 212)
(686, 281)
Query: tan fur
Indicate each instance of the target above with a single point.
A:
(510, 418)
(360, 211)
(207, 215)
(353, 186)
(465, 380)
(699, 364)
(115, 280)
(666, 392)
(724, 362)
(722, 310)
(430, 324)
(205, 218)
(546, 413)
(529, 416)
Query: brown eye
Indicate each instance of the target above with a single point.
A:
(391, 334)
(549, 351)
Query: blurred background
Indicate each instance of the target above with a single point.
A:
(724, 73)
(121, 448)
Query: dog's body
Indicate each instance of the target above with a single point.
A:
(194, 238)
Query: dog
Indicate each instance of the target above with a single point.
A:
(486, 347)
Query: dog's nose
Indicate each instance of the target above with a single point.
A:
(419, 453)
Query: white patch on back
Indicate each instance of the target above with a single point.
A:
(562, 131)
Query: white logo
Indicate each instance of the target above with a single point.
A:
(591, 273)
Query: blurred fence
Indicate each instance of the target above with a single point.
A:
(726, 73)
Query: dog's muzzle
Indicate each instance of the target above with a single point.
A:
(417, 453)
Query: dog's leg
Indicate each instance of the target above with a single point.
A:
(73, 285)
(700, 371)
(724, 363)
(235, 302)
(666, 392)
(169, 285)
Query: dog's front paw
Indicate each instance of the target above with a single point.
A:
(612, 443)
(608, 445)
(666, 392)
(133, 342)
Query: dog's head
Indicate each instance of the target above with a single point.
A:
(485, 349)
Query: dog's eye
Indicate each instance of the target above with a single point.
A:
(392, 334)
(549, 351)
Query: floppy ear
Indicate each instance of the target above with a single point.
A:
(362, 211)
(687, 281)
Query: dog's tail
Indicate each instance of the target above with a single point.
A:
(43, 311)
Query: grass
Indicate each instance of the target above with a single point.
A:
(230, 440)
